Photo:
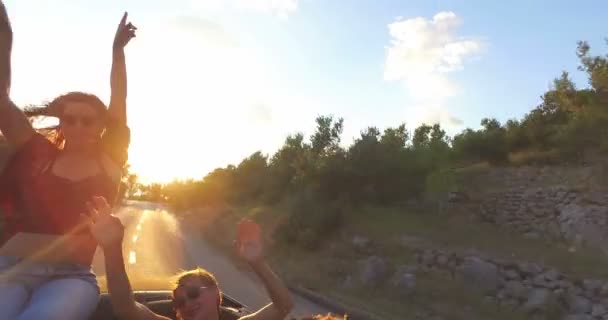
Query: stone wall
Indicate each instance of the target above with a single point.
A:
(554, 213)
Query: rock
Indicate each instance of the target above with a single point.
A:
(583, 224)
(564, 284)
(598, 310)
(552, 284)
(373, 271)
(528, 268)
(516, 290)
(578, 304)
(592, 285)
(442, 260)
(604, 290)
(537, 300)
(574, 290)
(559, 292)
(511, 274)
(404, 283)
(540, 281)
(552, 275)
(360, 243)
(428, 258)
(479, 273)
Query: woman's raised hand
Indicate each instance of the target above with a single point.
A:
(124, 33)
(248, 243)
(6, 31)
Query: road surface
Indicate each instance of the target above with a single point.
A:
(157, 247)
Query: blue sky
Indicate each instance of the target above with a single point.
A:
(213, 81)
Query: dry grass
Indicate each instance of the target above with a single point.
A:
(535, 157)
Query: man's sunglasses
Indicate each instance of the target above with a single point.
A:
(72, 120)
(191, 293)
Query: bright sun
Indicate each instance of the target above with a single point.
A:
(192, 114)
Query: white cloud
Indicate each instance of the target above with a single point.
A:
(208, 30)
(434, 116)
(280, 8)
(422, 53)
(261, 114)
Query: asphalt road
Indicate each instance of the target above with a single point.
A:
(157, 246)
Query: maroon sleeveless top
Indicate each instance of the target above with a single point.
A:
(38, 201)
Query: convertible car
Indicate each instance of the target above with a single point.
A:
(160, 303)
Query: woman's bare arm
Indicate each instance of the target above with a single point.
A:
(119, 288)
(279, 295)
(249, 247)
(14, 125)
(118, 76)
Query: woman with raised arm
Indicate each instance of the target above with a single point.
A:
(196, 295)
(46, 186)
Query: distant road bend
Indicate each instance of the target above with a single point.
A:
(157, 247)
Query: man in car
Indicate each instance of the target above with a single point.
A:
(196, 295)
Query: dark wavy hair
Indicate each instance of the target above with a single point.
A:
(55, 108)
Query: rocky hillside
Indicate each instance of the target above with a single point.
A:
(512, 243)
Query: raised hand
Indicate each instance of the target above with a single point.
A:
(105, 227)
(248, 243)
(124, 33)
(6, 31)
(6, 46)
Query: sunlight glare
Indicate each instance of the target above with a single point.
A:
(196, 121)
(132, 257)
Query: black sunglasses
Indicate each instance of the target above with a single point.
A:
(72, 120)
(192, 293)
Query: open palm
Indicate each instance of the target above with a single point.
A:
(248, 244)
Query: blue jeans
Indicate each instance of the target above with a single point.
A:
(46, 291)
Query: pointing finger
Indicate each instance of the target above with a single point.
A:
(123, 21)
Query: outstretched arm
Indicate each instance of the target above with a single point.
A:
(118, 76)
(249, 246)
(14, 125)
(109, 232)
(279, 295)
